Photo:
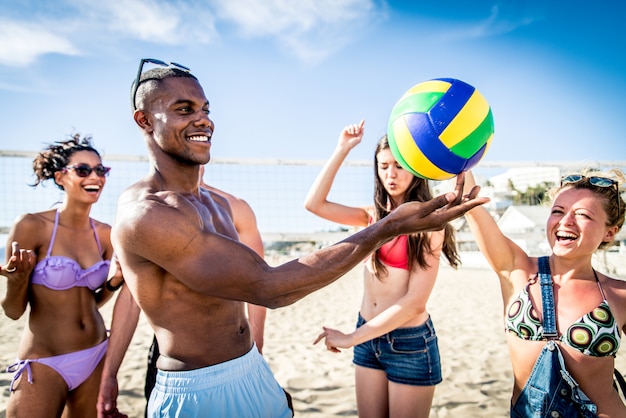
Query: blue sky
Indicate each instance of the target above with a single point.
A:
(283, 77)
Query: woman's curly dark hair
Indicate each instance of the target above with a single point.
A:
(57, 155)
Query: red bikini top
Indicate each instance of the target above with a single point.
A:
(395, 253)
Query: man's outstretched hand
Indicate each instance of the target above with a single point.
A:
(433, 215)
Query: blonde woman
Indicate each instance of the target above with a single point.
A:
(567, 372)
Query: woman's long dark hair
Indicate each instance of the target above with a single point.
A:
(419, 245)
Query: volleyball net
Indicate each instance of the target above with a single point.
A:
(275, 189)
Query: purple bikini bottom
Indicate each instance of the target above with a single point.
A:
(74, 367)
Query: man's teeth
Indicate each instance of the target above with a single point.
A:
(199, 138)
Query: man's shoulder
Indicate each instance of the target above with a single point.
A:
(144, 218)
(143, 194)
(134, 191)
(238, 205)
(144, 204)
(137, 202)
(230, 198)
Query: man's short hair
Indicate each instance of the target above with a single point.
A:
(151, 80)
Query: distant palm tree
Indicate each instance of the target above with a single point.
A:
(534, 195)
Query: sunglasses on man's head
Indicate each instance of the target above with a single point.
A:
(144, 61)
(83, 170)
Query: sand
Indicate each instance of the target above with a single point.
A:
(465, 307)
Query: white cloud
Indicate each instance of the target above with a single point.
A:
(85, 24)
(311, 29)
(502, 21)
(504, 18)
(157, 21)
(21, 43)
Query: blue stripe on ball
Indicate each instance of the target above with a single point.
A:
(428, 142)
(474, 159)
(450, 105)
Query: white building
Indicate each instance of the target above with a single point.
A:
(526, 226)
(524, 177)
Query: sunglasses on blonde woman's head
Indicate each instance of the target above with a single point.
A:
(597, 181)
(83, 170)
(144, 61)
(593, 180)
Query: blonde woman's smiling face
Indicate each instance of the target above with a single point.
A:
(577, 222)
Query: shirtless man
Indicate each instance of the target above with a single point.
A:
(127, 310)
(190, 275)
(245, 223)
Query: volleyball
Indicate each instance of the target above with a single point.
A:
(440, 128)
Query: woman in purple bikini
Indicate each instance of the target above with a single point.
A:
(62, 275)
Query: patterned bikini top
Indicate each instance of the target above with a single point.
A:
(594, 334)
(62, 273)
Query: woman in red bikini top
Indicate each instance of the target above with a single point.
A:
(61, 274)
(395, 345)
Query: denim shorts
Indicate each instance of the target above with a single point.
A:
(407, 355)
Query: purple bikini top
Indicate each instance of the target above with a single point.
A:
(62, 273)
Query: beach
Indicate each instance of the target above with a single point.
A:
(466, 310)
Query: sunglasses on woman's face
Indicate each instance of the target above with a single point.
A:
(83, 170)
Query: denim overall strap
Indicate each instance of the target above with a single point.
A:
(550, 390)
(547, 299)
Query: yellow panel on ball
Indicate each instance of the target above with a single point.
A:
(417, 162)
(466, 121)
(429, 86)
